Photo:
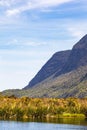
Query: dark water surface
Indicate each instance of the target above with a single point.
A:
(58, 124)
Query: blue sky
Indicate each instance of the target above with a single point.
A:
(31, 31)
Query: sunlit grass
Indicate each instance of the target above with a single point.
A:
(20, 108)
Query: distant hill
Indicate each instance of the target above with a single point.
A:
(64, 75)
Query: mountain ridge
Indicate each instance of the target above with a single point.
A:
(67, 79)
(66, 61)
(55, 63)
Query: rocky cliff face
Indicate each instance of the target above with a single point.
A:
(77, 58)
(55, 64)
(63, 62)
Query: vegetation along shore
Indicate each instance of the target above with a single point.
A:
(21, 108)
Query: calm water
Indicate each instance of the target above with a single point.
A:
(19, 125)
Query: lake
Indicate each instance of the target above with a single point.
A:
(20, 125)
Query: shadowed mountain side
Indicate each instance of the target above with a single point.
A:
(55, 64)
(62, 62)
(77, 58)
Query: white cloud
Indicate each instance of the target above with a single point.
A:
(35, 4)
(48, 3)
(4, 3)
(12, 12)
(34, 44)
(8, 3)
(25, 43)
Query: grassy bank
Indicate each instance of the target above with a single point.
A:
(21, 108)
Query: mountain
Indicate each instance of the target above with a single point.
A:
(77, 58)
(54, 64)
(62, 62)
(64, 75)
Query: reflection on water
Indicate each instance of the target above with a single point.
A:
(75, 121)
(14, 125)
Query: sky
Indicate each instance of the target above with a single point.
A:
(31, 31)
